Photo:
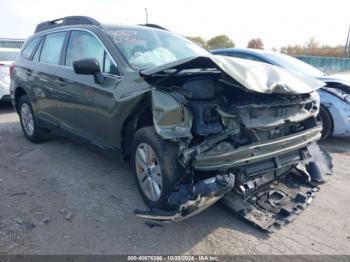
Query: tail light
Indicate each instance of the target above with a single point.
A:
(11, 67)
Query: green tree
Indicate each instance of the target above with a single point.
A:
(220, 41)
(197, 39)
(256, 43)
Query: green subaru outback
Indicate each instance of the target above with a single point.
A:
(197, 128)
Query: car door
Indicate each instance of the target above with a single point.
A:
(44, 84)
(86, 106)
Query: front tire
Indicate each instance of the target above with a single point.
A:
(30, 127)
(327, 122)
(155, 166)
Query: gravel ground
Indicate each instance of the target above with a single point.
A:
(64, 198)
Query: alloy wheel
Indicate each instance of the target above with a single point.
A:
(148, 171)
(27, 119)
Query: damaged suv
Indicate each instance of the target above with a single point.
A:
(198, 128)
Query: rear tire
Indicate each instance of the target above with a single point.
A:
(30, 127)
(327, 122)
(160, 168)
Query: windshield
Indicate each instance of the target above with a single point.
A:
(8, 55)
(294, 64)
(148, 47)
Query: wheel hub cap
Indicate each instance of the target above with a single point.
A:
(148, 171)
(27, 119)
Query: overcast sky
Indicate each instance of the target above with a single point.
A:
(276, 22)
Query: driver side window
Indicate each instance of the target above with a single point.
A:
(83, 45)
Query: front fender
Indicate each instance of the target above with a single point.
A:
(171, 119)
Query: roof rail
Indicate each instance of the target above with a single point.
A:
(68, 20)
(155, 26)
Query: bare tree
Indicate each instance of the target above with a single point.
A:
(314, 48)
(312, 43)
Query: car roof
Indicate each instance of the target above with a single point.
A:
(244, 50)
(124, 26)
(62, 28)
(102, 27)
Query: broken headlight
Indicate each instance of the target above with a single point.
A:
(315, 97)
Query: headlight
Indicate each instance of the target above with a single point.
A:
(315, 97)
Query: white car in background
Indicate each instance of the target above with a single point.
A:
(7, 58)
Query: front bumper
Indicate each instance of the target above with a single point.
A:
(190, 201)
(212, 160)
(276, 192)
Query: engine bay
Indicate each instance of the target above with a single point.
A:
(216, 107)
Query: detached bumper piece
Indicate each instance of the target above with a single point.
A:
(278, 201)
(276, 205)
(191, 200)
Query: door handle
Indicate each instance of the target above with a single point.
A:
(28, 72)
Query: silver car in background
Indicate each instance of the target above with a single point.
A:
(7, 58)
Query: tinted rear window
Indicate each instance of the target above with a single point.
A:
(8, 55)
(52, 47)
(37, 52)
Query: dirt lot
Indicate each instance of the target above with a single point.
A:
(63, 198)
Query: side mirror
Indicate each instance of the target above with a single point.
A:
(88, 66)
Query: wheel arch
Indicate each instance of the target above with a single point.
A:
(141, 117)
(19, 91)
(326, 109)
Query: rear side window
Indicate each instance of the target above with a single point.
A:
(37, 52)
(52, 47)
(30, 47)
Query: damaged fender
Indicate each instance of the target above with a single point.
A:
(171, 119)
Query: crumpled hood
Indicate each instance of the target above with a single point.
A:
(253, 76)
